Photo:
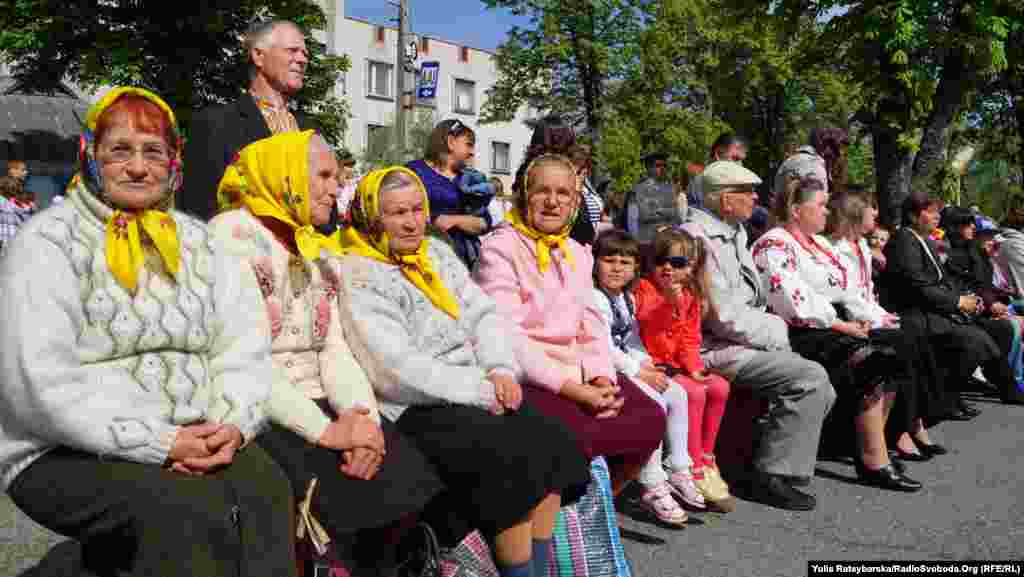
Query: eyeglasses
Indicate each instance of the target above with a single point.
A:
(151, 154)
(677, 262)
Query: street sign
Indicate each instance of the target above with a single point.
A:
(429, 73)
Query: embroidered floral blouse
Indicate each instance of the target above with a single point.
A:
(857, 259)
(802, 282)
(310, 355)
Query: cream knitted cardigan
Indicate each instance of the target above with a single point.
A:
(310, 355)
(85, 364)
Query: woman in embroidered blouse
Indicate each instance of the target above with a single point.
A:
(450, 150)
(436, 351)
(132, 371)
(541, 280)
(325, 421)
(851, 218)
(805, 280)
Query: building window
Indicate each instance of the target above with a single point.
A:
(463, 54)
(499, 157)
(379, 79)
(377, 139)
(424, 45)
(381, 31)
(464, 101)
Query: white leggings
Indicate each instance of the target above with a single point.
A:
(674, 402)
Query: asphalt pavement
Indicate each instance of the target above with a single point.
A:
(970, 509)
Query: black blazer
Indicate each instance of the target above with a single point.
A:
(911, 280)
(216, 135)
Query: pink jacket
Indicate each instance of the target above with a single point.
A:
(560, 334)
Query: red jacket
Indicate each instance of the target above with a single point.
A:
(670, 331)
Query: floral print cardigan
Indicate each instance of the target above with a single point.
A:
(311, 358)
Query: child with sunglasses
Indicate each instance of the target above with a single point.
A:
(616, 256)
(670, 303)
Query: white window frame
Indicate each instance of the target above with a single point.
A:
(455, 96)
(389, 81)
(494, 157)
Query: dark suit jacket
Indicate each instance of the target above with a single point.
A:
(217, 134)
(911, 280)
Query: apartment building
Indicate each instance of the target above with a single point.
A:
(464, 75)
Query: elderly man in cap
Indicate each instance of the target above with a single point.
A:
(750, 346)
(652, 202)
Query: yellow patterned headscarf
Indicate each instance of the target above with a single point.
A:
(128, 230)
(365, 238)
(270, 178)
(544, 242)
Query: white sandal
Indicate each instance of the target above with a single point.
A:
(658, 501)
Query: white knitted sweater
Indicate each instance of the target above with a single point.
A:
(87, 365)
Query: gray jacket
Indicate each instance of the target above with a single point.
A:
(651, 204)
(739, 322)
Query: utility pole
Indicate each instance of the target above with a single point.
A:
(404, 59)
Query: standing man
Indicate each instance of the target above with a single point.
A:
(750, 346)
(728, 146)
(277, 67)
(652, 202)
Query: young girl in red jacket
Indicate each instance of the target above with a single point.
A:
(670, 302)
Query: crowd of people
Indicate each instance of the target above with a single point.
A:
(236, 333)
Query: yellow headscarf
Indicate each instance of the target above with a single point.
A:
(270, 177)
(124, 247)
(544, 242)
(365, 239)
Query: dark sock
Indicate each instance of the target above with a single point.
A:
(541, 557)
(522, 570)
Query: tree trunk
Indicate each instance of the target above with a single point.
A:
(892, 173)
(947, 103)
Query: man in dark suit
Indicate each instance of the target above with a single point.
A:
(277, 67)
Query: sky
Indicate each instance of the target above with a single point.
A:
(466, 22)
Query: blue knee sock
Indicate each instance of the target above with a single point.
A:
(541, 557)
(522, 570)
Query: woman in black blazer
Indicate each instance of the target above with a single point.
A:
(937, 311)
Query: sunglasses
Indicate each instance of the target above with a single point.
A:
(677, 262)
(456, 127)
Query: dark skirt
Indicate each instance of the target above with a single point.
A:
(630, 437)
(496, 468)
(403, 485)
(859, 369)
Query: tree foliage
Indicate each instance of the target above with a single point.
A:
(192, 58)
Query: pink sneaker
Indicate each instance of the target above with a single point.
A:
(682, 486)
(658, 501)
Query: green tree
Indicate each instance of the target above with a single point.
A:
(564, 59)
(382, 150)
(192, 58)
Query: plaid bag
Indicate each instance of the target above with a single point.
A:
(470, 558)
(586, 540)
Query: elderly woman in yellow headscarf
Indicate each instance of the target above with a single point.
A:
(132, 381)
(439, 359)
(280, 192)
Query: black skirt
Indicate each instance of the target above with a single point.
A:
(496, 468)
(858, 368)
(405, 483)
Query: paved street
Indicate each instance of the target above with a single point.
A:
(971, 508)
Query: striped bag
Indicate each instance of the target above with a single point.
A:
(586, 540)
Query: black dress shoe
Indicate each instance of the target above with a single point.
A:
(930, 449)
(887, 478)
(775, 491)
(914, 457)
(969, 410)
